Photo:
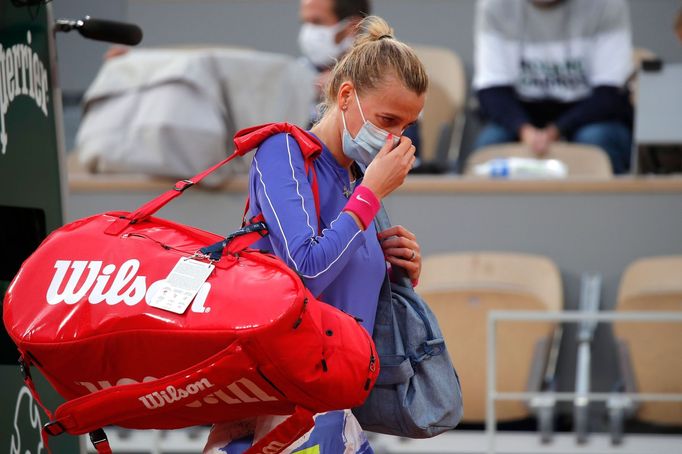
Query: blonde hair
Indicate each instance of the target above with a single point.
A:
(376, 55)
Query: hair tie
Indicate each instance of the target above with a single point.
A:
(384, 36)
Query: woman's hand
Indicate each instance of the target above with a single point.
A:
(401, 249)
(389, 167)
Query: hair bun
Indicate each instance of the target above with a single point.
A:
(373, 28)
(376, 55)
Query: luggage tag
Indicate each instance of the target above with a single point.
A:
(182, 285)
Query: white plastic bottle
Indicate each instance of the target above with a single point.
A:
(522, 168)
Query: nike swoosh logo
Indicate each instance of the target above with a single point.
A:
(359, 197)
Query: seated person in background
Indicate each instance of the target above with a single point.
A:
(328, 28)
(551, 69)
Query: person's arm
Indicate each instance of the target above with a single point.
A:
(500, 105)
(284, 195)
(610, 65)
(605, 103)
(497, 64)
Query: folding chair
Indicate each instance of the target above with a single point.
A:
(442, 122)
(461, 288)
(649, 353)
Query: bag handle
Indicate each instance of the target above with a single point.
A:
(286, 432)
(119, 403)
(245, 140)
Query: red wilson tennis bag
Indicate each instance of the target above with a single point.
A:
(101, 309)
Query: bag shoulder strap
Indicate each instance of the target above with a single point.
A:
(310, 147)
(245, 141)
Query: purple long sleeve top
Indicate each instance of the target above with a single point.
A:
(342, 265)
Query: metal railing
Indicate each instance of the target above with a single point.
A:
(492, 395)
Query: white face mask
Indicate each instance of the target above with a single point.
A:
(318, 43)
(369, 140)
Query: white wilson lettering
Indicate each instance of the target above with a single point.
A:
(75, 280)
(170, 394)
(241, 391)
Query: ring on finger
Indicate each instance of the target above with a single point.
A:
(414, 254)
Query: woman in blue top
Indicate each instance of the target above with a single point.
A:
(374, 93)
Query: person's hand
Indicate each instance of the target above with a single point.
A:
(401, 249)
(527, 134)
(389, 167)
(544, 139)
(552, 132)
(541, 144)
(115, 51)
(538, 140)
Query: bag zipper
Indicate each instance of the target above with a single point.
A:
(193, 254)
(372, 362)
(163, 245)
(298, 321)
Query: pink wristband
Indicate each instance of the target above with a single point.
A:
(364, 204)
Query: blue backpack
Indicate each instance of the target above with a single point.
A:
(417, 393)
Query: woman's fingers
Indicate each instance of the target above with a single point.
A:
(403, 146)
(405, 253)
(396, 230)
(389, 167)
(412, 267)
(408, 265)
(388, 146)
(400, 243)
(401, 249)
